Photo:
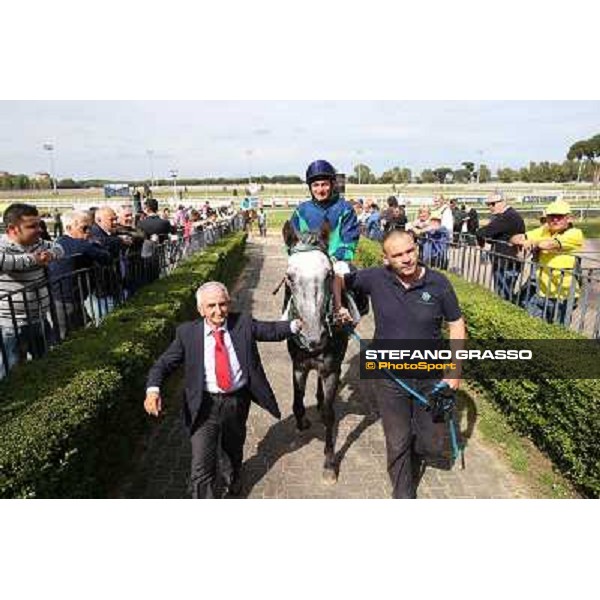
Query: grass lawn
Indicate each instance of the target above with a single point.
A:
(528, 463)
(276, 217)
(590, 227)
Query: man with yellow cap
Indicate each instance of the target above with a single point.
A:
(554, 244)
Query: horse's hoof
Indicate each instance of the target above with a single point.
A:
(303, 424)
(329, 476)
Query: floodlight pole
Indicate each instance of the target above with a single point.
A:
(50, 148)
(249, 155)
(150, 154)
(173, 173)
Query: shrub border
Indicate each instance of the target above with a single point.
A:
(70, 421)
(562, 417)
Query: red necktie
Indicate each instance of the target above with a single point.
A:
(222, 367)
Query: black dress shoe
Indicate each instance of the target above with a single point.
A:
(235, 487)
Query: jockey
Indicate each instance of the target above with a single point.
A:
(326, 205)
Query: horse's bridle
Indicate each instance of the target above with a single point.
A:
(299, 338)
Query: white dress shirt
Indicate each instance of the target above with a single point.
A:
(210, 376)
(448, 219)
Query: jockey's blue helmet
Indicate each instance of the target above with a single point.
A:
(319, 169)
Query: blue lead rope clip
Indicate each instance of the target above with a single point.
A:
(440, 404)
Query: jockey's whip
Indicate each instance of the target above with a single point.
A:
(274, 292)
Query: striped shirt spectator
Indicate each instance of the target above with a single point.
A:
(24, 256)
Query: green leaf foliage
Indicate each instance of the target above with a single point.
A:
(69, 422)
(561, 416)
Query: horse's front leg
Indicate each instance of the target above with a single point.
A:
(330, 386)
(300, 376)
(320, 393)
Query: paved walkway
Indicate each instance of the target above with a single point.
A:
(283, 463)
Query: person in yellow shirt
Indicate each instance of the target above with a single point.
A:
(555, 243)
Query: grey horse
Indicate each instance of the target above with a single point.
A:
(320, 346)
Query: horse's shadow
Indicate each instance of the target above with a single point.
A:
(243, 292)
(284, 438)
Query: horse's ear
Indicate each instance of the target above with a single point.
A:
(289, 234)
(325, 233)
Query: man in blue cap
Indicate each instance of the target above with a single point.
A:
(327, 206)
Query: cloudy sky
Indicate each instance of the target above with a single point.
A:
(112, 139)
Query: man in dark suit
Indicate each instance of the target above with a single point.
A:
(153, 225)
(69, 290)
(107, 281)
(156, 232)
(223, 373)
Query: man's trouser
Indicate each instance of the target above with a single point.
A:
(98, 307)
(505, 276)
(412, 439)
(28, 340)
(220, 430)
(549, 309)
(69, 316)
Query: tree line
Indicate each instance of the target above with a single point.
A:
(581, 164)
(9, 181)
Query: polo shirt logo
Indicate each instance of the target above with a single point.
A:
(426, 296)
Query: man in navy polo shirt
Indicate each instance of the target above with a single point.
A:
(410, 301)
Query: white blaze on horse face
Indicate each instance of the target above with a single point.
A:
(307, 272)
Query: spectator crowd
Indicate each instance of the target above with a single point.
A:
(537, 269)
(96, 260)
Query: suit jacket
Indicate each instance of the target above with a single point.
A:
(153, 224)
(111, 243)
(188, 348)
(107, 280)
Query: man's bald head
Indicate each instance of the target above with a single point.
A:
(400, 253)
(106, 218)
(125, 215)
(394, 234)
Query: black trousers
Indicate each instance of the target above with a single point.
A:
(412, 439)
(218, 436)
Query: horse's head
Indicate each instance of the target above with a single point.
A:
(309, 277)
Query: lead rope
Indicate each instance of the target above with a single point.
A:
(456, 449)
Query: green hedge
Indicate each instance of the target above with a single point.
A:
(561, 416)
(69, 422)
